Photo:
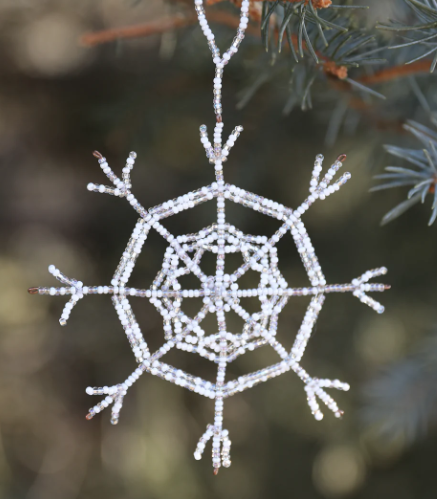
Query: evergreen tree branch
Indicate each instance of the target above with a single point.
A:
(421, 37)
(422, 179)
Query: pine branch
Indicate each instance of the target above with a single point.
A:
(422, 37)
(422, 177)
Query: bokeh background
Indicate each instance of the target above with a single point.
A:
(59, 101)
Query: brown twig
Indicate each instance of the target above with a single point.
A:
(394, 72)
(137, 31)
(158, 27)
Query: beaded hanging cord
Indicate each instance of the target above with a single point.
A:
(221, 292)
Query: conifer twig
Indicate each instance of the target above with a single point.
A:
(157, 27)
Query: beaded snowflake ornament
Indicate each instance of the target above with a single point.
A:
(220, 292)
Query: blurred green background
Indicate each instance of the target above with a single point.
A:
(59, 102)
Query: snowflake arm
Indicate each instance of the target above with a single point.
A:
(121, 187)
(322, 189)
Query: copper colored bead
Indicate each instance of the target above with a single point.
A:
(33, 291)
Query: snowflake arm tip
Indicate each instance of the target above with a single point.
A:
(218, 154)
(114, 395)
(74, 288)
(220, 439)
(121, 187)
(321, 189)
(361, 285)
(315, 389)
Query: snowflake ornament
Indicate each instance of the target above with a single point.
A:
(220, 292)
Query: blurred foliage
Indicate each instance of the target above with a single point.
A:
(60, 101)
(402, 401)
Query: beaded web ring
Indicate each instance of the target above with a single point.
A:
(220, 292)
